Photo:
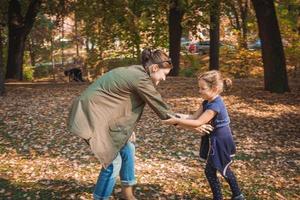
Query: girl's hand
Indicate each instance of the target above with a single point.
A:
(205, 128)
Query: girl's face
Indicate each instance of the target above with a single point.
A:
(205, 91)
(157, 74)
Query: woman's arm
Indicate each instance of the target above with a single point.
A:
(146, 90)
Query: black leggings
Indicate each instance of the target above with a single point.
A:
(211, 175)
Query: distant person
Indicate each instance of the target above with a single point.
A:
(218, 147)
(74, 74)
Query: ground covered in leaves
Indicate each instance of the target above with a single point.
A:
(40, 159)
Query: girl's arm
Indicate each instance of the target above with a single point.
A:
(204, 118)
(197, 114)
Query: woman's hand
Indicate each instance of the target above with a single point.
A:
(170, 121)
(182, 116)
(205, 128)
(132, 137)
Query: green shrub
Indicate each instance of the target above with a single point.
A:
(28, 73)
(188, 72)
(191, 66)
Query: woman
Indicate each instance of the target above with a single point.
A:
(106, 113)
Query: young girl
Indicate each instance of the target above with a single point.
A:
(221, 144)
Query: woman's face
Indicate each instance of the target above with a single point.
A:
(157, 74)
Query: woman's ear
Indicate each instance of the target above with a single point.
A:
(154, 68)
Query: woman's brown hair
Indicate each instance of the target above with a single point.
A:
(155, 57)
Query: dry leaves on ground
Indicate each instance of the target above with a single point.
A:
(40, 159)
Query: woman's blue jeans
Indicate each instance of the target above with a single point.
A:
(122, 165)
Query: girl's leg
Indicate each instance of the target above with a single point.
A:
(107, 180)
(211, 175)
(127, 172)
(231, 179)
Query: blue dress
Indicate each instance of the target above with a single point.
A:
(220, 145)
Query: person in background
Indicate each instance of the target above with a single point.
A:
(74, 74)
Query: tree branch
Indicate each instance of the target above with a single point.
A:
(31, 14)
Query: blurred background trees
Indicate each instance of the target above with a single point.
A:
(39, 39)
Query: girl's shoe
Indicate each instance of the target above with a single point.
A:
(239, 197)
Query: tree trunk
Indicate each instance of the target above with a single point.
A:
(175, 31)
(16, 46)
(76, 35)
(235, 16)
(244, 17)
(52, 57)
(31, 51)
(214, 33)
(237, 21)
(62, 42)
(2, 86)
(18, 28)
(275, 75)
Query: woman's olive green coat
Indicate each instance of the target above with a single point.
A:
(107, 111)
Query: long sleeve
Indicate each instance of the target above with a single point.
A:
(152, 97)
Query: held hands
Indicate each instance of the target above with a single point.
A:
(174, 120)
(171, 121)
(205, 128)
(182, 116)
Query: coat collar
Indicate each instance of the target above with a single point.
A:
(144, 70)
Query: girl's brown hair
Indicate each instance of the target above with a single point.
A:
(155, 57)
(214, 79)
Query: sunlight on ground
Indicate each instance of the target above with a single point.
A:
(41, 160)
